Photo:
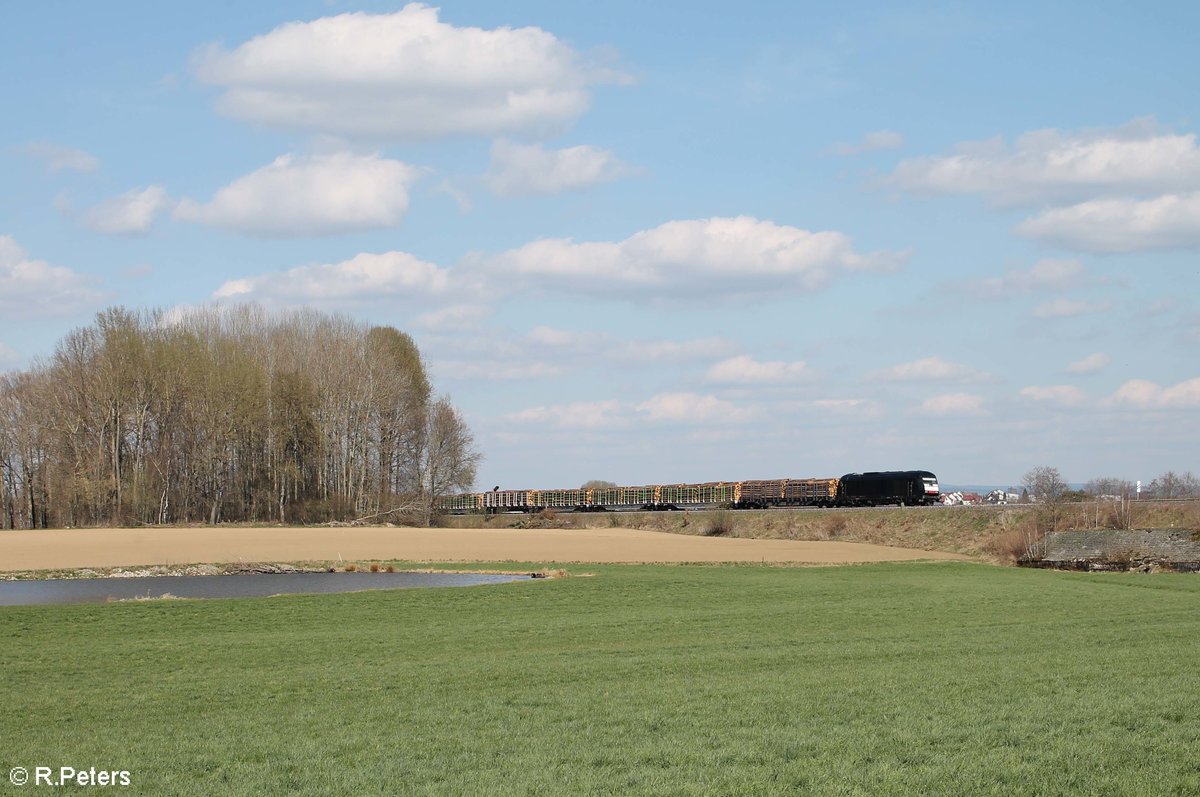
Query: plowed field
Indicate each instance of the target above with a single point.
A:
(80, 548)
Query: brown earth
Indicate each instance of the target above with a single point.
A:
(85, 548)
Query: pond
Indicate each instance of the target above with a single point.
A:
(93, 590)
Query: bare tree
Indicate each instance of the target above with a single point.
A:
(1045, 484)
(448, 458)
(1175, 485)
(226, 413)
(1109, 486)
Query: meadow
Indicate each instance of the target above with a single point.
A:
(927, 678)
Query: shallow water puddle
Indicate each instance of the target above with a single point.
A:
(95, 590)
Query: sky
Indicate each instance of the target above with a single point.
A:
(650, 243)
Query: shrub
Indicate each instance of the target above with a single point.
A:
(1025, 543)
(374, 567)
(720, 524)
(350, 568)
(835, 525)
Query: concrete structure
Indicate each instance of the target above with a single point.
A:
(1102, 549)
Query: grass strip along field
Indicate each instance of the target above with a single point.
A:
(939, 678)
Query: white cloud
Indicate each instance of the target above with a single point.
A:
(576, 415)
(476, 371)
(871, 142)
(660, 409)
(592, 346)
(1171, 221)
(58, 158)
(862, 408)
(1066, 395)
(313, 195)
(951, 404)
(1090, 364)
(1068, 308)
(691, 408)
(131, 213)
(1144, 394)
(455, 317)
(739, 256)
(668, 351)
(748, 371)
(929, 369)
(567, 338)
(518, 170)
(363, 278)
(30, 288)
(7, 354)
(1049, 165)
(402, 75)
(1046, 275)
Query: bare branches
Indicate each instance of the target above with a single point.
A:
(227, 413)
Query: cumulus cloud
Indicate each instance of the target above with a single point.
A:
(951, 404)
(691, 408)
(929, 369)
(861, 408)
(1050, 165)
(871, 142)
(1144, 394)
(1065, 395)
(1046, 275)
(364, 277)
(739, 255)
(1090, 364)
(403, 75)
(518, 170)
(1068, 308)
(660, 409)
(31, 288)
(576, 415)
(131, 213)
(1171, 221)
(669, 351)
(745, 370)
(59, 158)
(454, 317)
(311, 195)
(592, 346)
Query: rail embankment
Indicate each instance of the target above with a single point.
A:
(1005, 533)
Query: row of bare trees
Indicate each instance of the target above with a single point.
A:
(226, 414)
(1046, 484)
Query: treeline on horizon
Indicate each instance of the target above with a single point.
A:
(227, 414)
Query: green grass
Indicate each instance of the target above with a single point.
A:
(945, 678)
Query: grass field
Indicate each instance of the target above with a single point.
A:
(940, 678)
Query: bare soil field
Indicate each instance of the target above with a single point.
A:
(85, 548)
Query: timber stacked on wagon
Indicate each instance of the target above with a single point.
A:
(750, 494)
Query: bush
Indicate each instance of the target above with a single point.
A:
(720, 524)
(1023, 543)
(835, 525)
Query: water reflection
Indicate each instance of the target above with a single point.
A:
(92, 590)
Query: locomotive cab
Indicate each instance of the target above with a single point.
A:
(905, 487)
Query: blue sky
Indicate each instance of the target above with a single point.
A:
(651, 242)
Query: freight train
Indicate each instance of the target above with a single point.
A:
(905, 488)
